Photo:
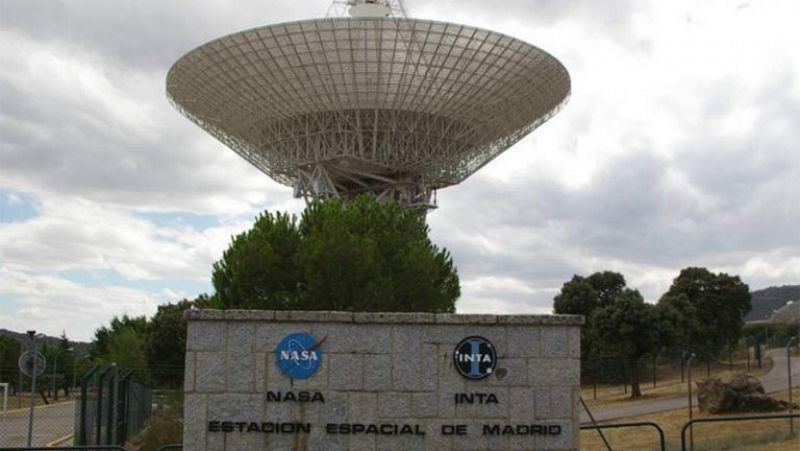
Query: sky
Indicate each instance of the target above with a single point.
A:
(680, 146)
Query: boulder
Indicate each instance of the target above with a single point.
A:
(759, 403)
(743, 393)
(714, 396)
(746, 384)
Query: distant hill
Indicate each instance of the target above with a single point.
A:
(769, 299)
(81, 348)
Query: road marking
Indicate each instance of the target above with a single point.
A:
(59, 441)
(41, 407)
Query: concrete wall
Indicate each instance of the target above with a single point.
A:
(381, 368)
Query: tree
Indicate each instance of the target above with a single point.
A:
(64, 357)
(10, 350)
(101, 344)
(122, 343)
(360, 256)
(582, 296)
(166, 341)
(678, 322)
(608, 285)
(577, 297)
(127, 349)
(719, 303)
(259, 268)
(630, 326)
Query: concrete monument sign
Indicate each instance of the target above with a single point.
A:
(277, 380)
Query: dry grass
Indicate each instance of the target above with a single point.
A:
(766, 435)
(163, 428)
(668, 384)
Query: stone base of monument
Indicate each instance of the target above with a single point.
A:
(277, 380)
(743, 393)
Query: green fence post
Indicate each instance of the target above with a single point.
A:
(100, 381)
(112, 385)
(84, 400)
(122, 406)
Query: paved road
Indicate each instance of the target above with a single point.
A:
(773, 381)
(50, 423)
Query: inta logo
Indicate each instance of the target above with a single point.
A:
(475, 357)
(299, 355)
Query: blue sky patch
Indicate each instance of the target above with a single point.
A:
(16, 206)
(108, 278)
(7, 304)
(196, 221)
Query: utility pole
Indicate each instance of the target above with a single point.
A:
(2, 350)
(32, 336)
(789, 370)
(691, 427)
(19, 391)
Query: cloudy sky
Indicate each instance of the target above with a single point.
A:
(680, 147)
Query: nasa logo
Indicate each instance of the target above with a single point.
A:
(475, 357)
(299, 355)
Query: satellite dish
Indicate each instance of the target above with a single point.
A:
(388, 106)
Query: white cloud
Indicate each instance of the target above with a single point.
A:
(75, 234)
(52, 305)
(678, 148)
(13, 199)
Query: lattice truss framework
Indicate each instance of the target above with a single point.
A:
(340, 8)
(396, 107)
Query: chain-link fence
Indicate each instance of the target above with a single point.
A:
(51, 420)
(109, 407)
(665, 373)
(112, 407)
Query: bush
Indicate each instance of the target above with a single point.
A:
(164, 427)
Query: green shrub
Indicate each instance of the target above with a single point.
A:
(162, 428)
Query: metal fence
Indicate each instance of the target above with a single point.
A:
(599, 427)
(603, 373)
(86, 448)
(51, 422)
(109, 407)
(71, 448)
(690, 424)
(112, 408)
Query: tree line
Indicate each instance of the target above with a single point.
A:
(702, 313)
(371, 256)
(362, 255)
(60, 371)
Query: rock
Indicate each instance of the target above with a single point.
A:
(746, 384)
(743, 393)
(714, 396)
(759, 403)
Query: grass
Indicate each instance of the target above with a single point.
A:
(164, 427)
(762, 435)
(668, 384)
